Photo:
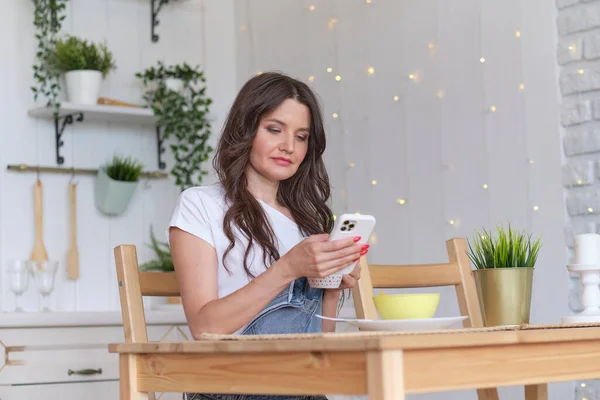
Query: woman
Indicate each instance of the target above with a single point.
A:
(243, 247)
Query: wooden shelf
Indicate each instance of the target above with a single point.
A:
(99, 112)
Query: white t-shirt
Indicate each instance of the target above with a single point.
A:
(200, 211)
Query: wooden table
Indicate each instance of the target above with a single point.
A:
(383, 365)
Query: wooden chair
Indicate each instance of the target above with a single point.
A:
(133, 284)
(456, 272)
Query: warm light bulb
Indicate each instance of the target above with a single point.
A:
(590, 209)
(368, 1)
(572, 48)
(351, 164)
(580, 71)
(535, 208)
(331, 24)
(334, 115)
(311, 78)
(411, 76)
(357, 213)
(338, 78)
(334, 217)
(485, 186)
(431, 46)
(451, 222)
(259, 73)
(311, 7)
(440, 94)
(400, 201)
(482, 60)
(371, 70)
(518, 34)
(493, 108)
(374, 182)
(531, 161)
(396, 98)
(580, 182)
(329, 69)
(521, 87)
(582, 384)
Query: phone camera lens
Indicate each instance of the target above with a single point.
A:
(346, 222)
(351, 226)
(343, 228)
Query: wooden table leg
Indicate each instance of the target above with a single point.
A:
(487, 394)
(536, 392)
(385, 375)
(128, 379)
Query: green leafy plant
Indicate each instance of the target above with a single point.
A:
(48, 18)
(163, 261)
(182, 116)
(124, 169)
(72, 53)
(508, 249)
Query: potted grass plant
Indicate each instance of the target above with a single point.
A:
(503, 271)
(116, 184)
(84, 64)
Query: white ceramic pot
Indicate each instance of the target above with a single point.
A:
(83, 86)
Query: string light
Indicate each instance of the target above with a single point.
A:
(334, 115)
(371, 70)
(583, 384)
(311, 78)
(580, 71)
(329, 69)
(368, 1)
(357, 213)
(590, 209)
(482, 60)
(259, 73)
(521, 87)
(400, 201)
(331, 24)
(580, 182)
(338, 78)
(396, 98)
(535, 208)
(311, 7)
(440, 94)
(374, 182)
(572, 48)
(493, 108)
(531, 161)
(518, 34)
(243, 28)
(351, 164)
(451, 222)
(485, 186)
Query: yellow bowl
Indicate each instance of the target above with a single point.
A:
(407, 306)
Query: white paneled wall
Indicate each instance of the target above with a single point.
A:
(193, 31)
(457, 124)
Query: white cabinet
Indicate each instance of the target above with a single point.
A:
(66, 357)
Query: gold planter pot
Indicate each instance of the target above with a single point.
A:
(504, 295)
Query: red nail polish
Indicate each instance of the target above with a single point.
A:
(362, 253)
(365, 247)
(356, 259)
(356, 238)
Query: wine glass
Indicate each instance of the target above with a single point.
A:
(44, 273)
(18, 276)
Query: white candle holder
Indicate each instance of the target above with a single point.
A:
(590, 296)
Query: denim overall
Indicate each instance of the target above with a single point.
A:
(292, 311)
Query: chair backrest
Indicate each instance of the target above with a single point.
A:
(456, 272)
(133, 285)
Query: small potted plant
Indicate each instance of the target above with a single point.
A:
(84, 65)
(503, 274)
(116, 184)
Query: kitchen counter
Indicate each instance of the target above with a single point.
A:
(175, 315)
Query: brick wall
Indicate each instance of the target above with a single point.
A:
(578, 56)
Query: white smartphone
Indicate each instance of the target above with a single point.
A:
(353, 225)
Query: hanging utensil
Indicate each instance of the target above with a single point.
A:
(73, 253)
(39, 252)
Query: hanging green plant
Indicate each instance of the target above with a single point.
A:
(177, 96)
(163, 261)
(48, 18)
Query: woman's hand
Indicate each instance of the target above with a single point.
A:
(316, 257)
(350, 280)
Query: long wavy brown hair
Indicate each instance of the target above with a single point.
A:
(306, 194)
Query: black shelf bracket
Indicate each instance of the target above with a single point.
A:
(159, 145)
(156, 6)
(59, 129)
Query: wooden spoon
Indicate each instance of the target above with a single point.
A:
(73, 253)
(39, 252)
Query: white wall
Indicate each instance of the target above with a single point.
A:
(187, 34)
(436, 152)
